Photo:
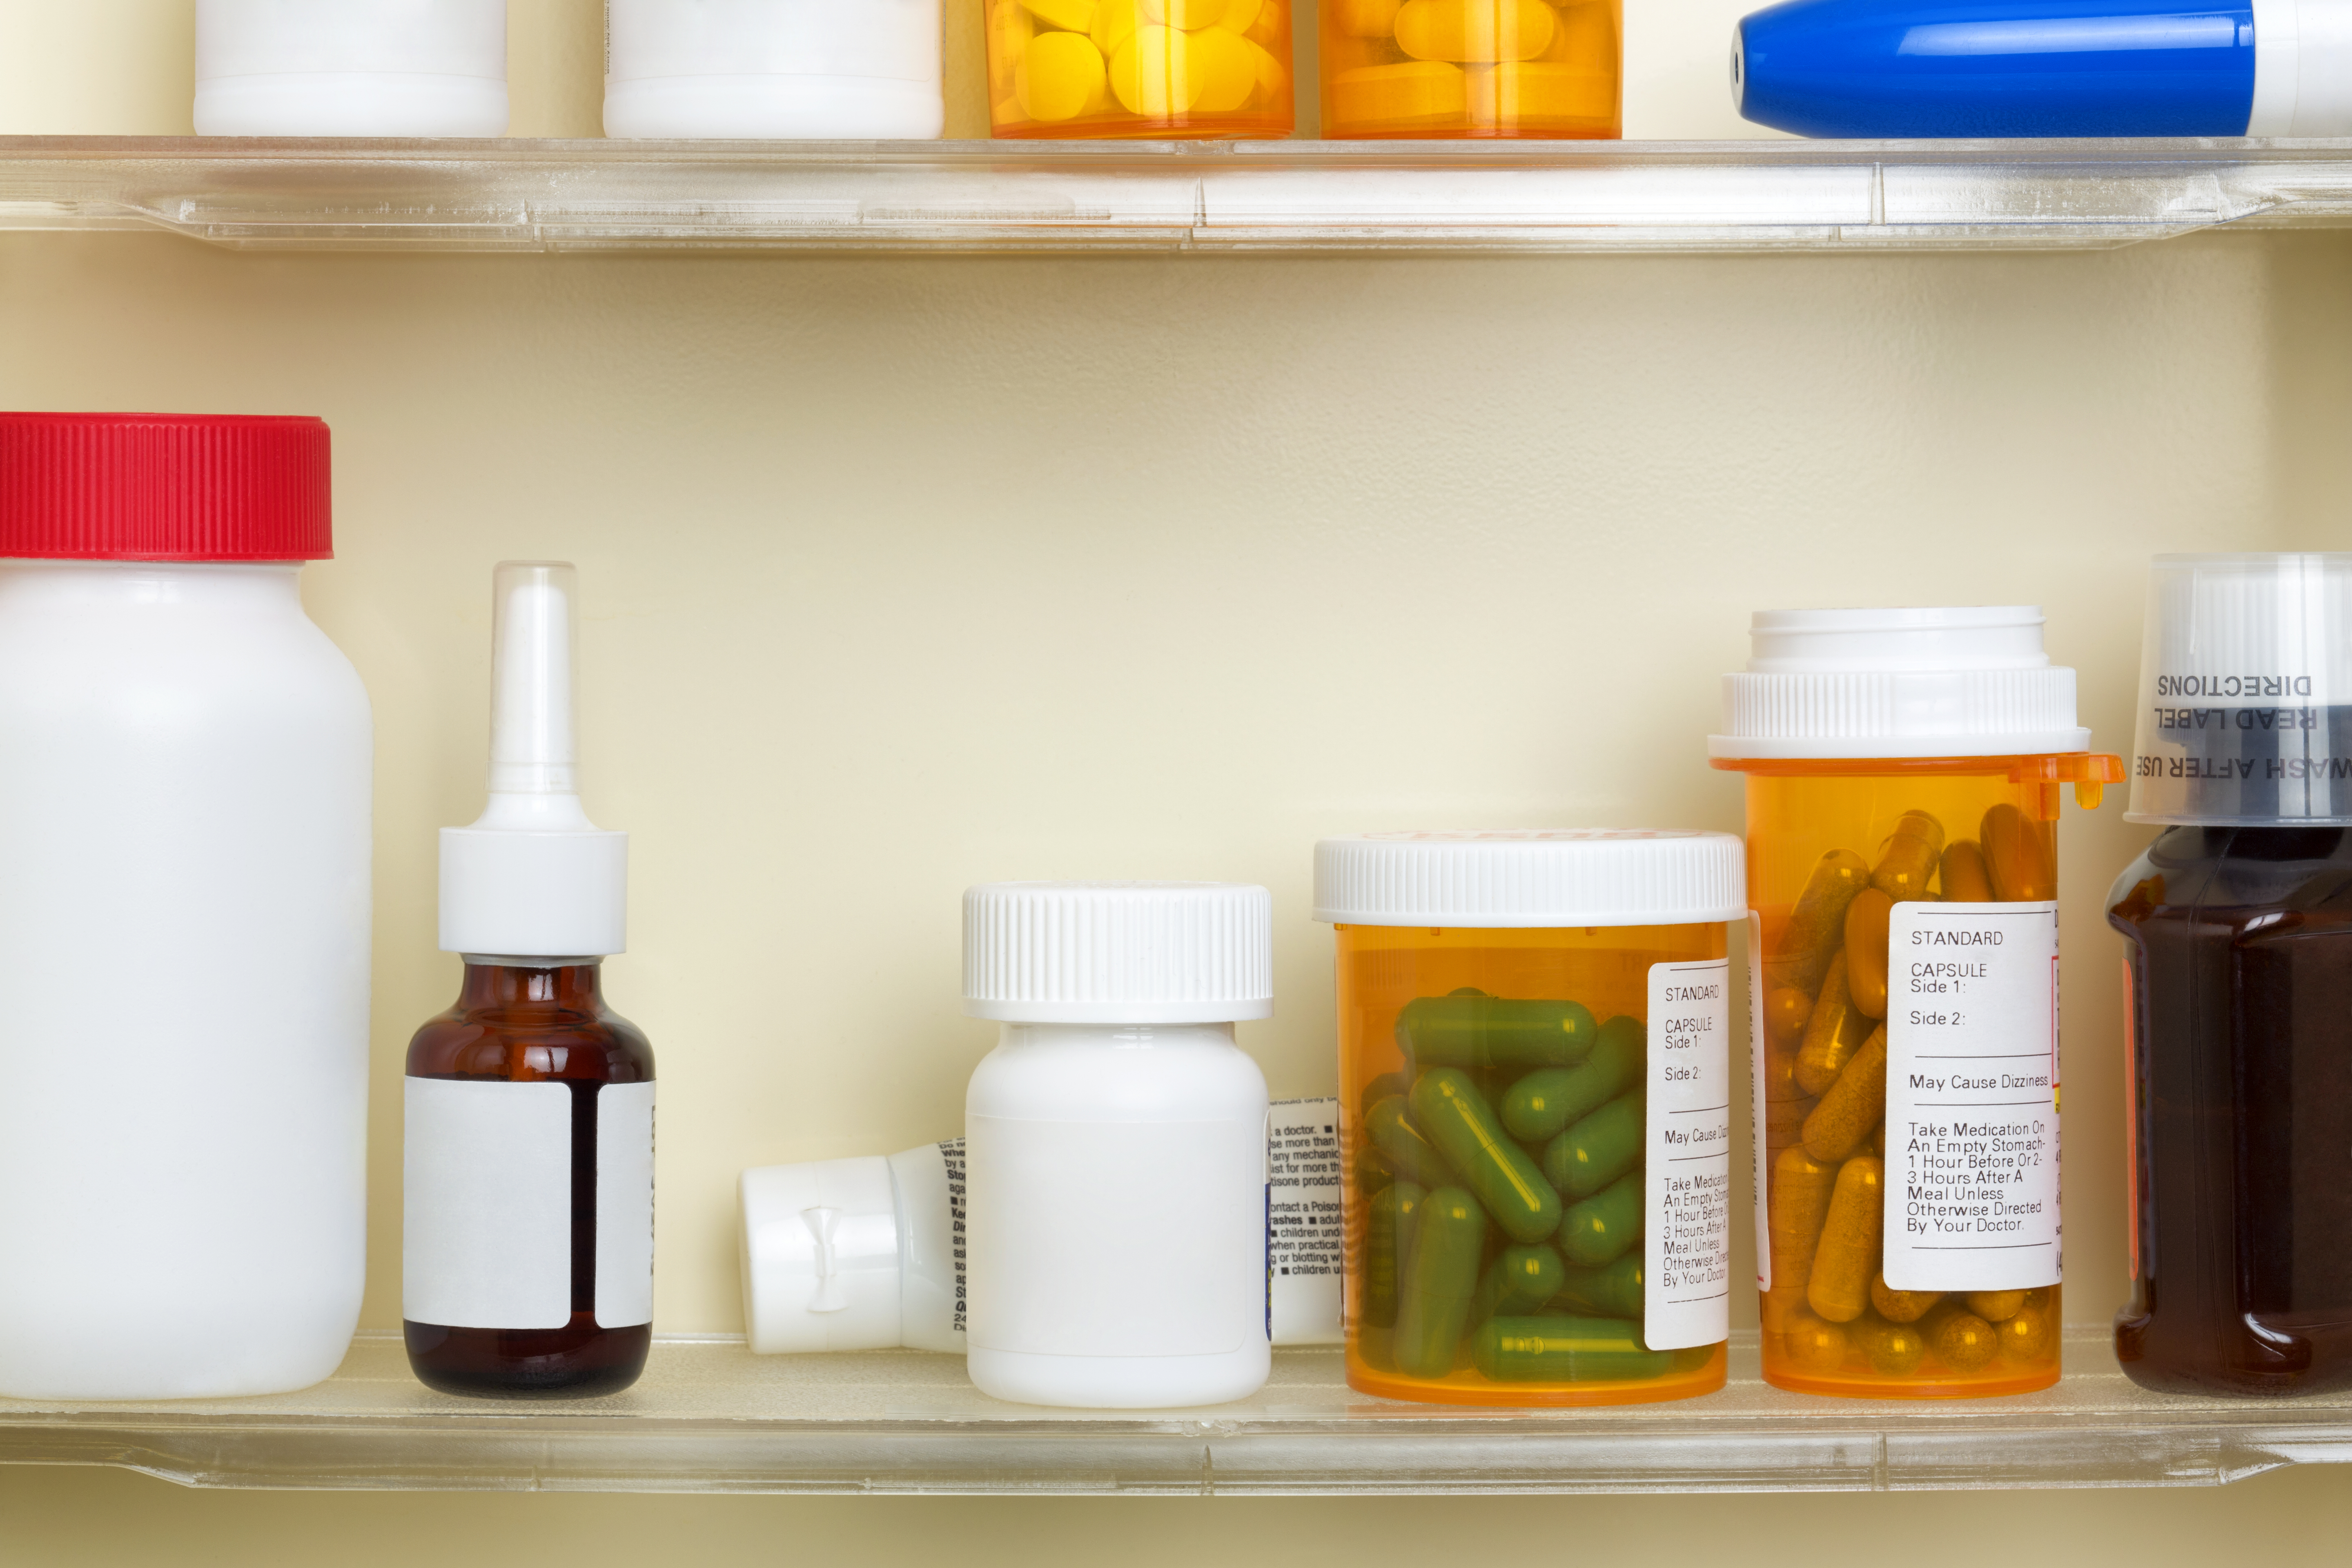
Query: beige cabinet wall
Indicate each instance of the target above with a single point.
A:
(907, 573)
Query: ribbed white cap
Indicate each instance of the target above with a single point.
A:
(2245, 691)
(1532, 877)
(1969, 681)
(1118, 952)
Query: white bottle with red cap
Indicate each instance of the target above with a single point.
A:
(185, 782)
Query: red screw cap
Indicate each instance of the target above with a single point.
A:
(164, 487)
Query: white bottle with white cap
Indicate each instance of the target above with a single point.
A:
(839, 68)
(1116, 1142)
(353, 68)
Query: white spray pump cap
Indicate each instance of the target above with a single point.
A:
(533, 877)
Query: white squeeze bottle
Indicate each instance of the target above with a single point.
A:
(184, 771)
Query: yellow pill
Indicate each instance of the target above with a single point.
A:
(1797, 1203)
(1228, 71)
(2021, 857)
(1155, 76)
(1587, 36)
(1786, 1010)
(1411, 91)
(1272, 75)
(1900, 1306)
(1894, 1349)
(1839, 1289)
(1840, 1123)
(1964, 1340)
(1865, 950)
(1061, 77)
(1115, 23)
(1832, 1035)
(1965, 881)
(1364, 18)
(1512, 93)
(1995, 1306)
(1815, 930)
(1241, 15)
(1816, 1346)
(1475, 31)
(2026, 1336)
(1069, 16)
(1910, 860)
(1784, 1122)
(1185, 15)
(1010, 29)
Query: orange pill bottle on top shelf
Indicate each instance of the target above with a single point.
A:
(1535, 1111)
(1471, 68)
(1903, 770)
(1151, 68)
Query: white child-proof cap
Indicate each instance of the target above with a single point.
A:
(1118, 952)
(2245, 692)
(1531, 878)
(1969, 681)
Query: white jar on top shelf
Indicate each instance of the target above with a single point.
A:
(852, 69)
(351, 67)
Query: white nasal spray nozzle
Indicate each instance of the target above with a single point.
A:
(533, 877)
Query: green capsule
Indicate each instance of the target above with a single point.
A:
(1448, 1108)
(1565, 1350)
(1389, 1217)
(1599, 1149)
(1441, 1277)
(1603, 1227)
(1614, 1291)
(1401, 1143)
(1475, 1031)
(1518, 1282)
(1542, 1103)
(1380, 1088)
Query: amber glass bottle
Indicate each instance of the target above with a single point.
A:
(518, 1023)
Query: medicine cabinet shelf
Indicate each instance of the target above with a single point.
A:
(1241, 196)
(710, 1417)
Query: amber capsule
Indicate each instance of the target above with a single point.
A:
(1840, 1123)
(1900, 1306)
(1786, 1012)
(1866, 951)
(1815, 1345)
(1834, 1033)
(1839, 1289)
(1910, 860)
(1895, 1349)
(1797, 1201)
(1878, 1140)
(1816, 921)
(1779, 1306)
(1965, 881)
(2027, 1336)
(1995, 1306)
(2021, 857)
(1963, 1340)
(1781, 1074)
(1784, 1122)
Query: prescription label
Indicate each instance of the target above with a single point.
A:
(1756, 1107)
(1972, 1097)
(1304, 1240)
(1686, 1222)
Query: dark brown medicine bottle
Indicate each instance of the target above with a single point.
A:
(518, 1022)
(2238, 980)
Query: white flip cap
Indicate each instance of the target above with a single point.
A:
(820, 1256)
(533, 877)
(1118, 952)
(2302, 68)
(1530, 877)
(1952, 682)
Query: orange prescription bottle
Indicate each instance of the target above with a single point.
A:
(1139, 68)
(1903, 771)
(1471, 68)
(1535, 1111)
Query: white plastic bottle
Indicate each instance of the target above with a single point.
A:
(185, 778)
(350, 68)
(1115, 1142)
(826, 68)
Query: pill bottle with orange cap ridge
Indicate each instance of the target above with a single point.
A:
(1535, 1108)
(1446, 68)
(1154, 69)
(1903, 772)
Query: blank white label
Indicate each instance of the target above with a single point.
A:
(1117, 1238)
(1972, 1097)
(624, 1205)
(1687, 1183)
(486, 1224)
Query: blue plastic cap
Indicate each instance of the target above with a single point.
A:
(1872, 68)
